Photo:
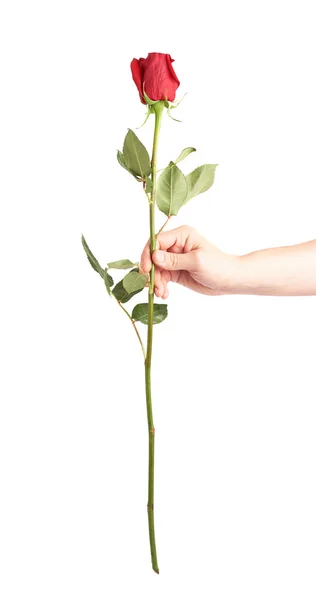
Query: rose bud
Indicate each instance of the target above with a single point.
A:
(155, 75)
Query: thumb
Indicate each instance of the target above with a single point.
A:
(174, 262)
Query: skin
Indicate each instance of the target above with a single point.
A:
(186, 257)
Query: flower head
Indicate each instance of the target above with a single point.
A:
(155, 74)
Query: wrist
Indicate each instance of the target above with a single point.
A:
(251, 275)
(235, 274)
(225, 273)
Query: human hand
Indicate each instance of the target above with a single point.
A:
(184, 256)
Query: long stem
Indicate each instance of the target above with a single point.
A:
(158, 108)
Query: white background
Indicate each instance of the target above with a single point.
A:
(233, 377)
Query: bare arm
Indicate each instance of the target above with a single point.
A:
(284, 271)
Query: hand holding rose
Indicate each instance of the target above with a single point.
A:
(184, 256)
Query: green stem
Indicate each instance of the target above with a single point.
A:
(158, 109)
(133, 323)
(163, 226)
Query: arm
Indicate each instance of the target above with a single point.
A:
(284, 271)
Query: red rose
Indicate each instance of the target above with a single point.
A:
(156, 75)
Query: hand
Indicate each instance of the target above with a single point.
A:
(184, 256)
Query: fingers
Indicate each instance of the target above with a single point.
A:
(171, 261)
(177, 238)
(161, 290)
(145, 259)
(159, 285)
(181, 242)
(181, 239)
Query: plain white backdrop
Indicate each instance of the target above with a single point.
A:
(234, 386)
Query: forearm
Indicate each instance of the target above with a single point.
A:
(285, 271)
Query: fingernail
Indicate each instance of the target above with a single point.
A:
(160, 256)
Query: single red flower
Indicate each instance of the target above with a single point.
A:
(156, 75)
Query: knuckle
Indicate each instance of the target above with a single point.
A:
(173, 261)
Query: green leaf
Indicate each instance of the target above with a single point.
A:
(92, 259)
(121, 294)
(136, 156)
(171, 190)
(134, 281)
(97, 267)
(184, 154)
(200, 180)
(149, 185)
(122, 162)
(140, 313)
(108, 281)
(121, 264)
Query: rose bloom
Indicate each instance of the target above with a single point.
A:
(156, 75)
